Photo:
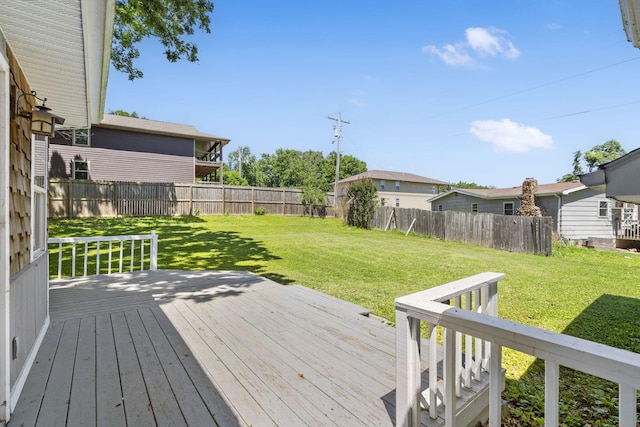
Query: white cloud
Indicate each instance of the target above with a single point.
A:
(506, 135)
(480, 42)
(451, 55)
(553, 26)
(491, 41)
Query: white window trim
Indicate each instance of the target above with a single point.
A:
(440, 208)
(73, 137)
(382, 184)
(5, 312)
(600, 202)
(397, 202)
(476, 207)
(504, 208)
(397, 186)
(73, 169)
(38, 249)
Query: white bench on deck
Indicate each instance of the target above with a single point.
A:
(479, 320)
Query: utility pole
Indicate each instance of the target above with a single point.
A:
(338, 134)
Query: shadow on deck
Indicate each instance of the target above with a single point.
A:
(223, 348)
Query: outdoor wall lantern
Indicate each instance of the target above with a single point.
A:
(42, 121)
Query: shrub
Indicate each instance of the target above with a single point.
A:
(362, 198)
(260, 211)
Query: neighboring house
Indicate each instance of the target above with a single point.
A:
(60, 49)
(131, 149)
(579, 213)
(399, 189)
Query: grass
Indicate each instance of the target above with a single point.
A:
(591, 294)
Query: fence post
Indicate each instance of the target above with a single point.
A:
(154, 251)
(284, 203)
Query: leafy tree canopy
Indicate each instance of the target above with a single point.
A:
(596, 156)
(362, 197)
(167, 20)
(125, 114)
(463, 184)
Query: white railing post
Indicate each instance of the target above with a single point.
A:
(495, 386)
(551, 392)
(627, 406)
(154, 251)
(449, 377)
(408, 382)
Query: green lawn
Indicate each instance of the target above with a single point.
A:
(586, 293)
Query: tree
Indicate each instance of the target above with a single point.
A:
(577, 169)
(123, 113)
(166, 20)
(603, 153)
(239, 159)
(462, 184)
(349, 166)
(362, 198)
(596, 156)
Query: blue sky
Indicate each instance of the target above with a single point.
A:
(486, 91)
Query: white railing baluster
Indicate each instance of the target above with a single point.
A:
(121, 257)
(73, 260)
(59, 260)
(449, 377)
(110, 248)
(458, 303)
(98, 257)
(133, 253)
(477, 363)
(468, 344)
(433, 371)
(86, 260)
(154, 251)
(142, 255)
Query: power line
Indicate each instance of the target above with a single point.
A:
(550, 83)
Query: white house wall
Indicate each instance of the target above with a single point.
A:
(579, 216)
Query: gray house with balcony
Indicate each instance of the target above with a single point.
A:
(123, 148)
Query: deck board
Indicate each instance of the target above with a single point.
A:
(208, 348)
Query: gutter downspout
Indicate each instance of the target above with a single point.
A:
(559, 197)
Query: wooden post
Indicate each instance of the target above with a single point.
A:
(191, 199)
(253, 200)
(223, 203)
(284, 203)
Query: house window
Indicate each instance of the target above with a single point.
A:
(382, 184)
(603, 209)
(81, 137)
(508, 208)
(39, 148)
(474, 207)
(80, 170)
(397, 185)
(397, 203)
(439, 208)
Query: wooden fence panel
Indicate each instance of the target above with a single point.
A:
(71, 198)
(508, 233)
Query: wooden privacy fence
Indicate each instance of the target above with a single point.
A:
(506, 232)
(79, 198)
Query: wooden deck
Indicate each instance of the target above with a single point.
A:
(207, 348)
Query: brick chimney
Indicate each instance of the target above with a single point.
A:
(528, 206)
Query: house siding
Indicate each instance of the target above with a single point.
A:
(579, 216)
(115, 155)
(462, 202)
(411, 194)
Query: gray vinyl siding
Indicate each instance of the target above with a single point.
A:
(462, 203)
(116, 155)
(579, 216)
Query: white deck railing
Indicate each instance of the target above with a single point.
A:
(557, 350)
(72, 243)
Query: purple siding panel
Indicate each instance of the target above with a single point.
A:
(117, 155)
